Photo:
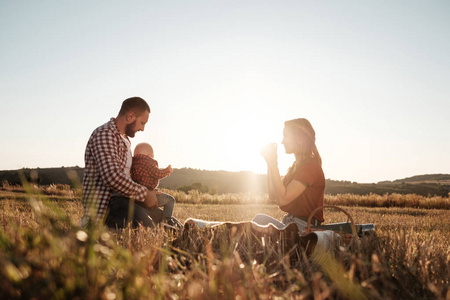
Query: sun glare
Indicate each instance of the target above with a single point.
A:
(246, 137)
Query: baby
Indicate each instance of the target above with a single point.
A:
(145, 171)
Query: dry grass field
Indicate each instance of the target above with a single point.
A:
(45, 255)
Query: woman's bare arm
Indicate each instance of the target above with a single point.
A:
(284, 195)
(270, 188)
(276, 189)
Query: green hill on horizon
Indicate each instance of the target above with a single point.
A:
(221, 182)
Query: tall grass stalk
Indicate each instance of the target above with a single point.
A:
(44, 254)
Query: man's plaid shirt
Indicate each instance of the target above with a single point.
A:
(105, 159)
(145, 171)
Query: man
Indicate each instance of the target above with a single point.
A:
(108, 192)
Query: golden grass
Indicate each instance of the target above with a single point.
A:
(371, 200)
(43, 254)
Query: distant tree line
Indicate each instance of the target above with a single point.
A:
(221, 182)
(196, 186)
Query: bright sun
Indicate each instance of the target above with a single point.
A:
(245, 137)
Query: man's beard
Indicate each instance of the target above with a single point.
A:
(129, 129)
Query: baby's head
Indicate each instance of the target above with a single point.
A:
(144, 149)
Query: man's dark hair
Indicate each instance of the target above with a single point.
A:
(134, 104)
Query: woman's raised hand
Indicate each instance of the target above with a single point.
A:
(269, 152)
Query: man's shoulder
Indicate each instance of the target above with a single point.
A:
(108, 127)
(106, 133)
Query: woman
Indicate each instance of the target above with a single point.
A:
(302, 189)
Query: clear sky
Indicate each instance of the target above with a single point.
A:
(221, 77)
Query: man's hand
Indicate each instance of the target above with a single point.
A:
(150, 199)
(170, 169)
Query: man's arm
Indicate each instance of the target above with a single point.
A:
(150, 199)
(105, 151)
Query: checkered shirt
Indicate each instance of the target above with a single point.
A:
(144, 170)
(105, 159)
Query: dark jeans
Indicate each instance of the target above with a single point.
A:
(119, 214)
